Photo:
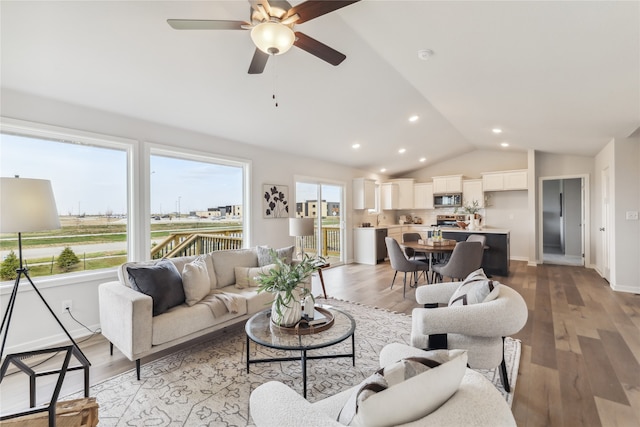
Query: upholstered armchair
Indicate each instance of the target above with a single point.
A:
(479, 328)
(475, 403)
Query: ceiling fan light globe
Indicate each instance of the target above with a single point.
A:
(272, 38)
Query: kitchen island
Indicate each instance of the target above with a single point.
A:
(497, 253)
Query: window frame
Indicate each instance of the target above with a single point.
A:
(154, 149)
(138, 185)
(61, 134)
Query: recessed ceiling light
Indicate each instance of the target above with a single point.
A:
(413, 118)
(423, 159)
(402, 150)
(504, 144)
(425, 54)
(355, 146)
(383, 170)
(496, 130)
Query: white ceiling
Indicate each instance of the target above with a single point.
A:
(557, 76)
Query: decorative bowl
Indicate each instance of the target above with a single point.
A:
(462, 224)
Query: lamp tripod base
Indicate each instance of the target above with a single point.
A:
(18, 358)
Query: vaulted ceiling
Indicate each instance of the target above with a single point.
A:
(555, 76)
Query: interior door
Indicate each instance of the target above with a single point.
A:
(604, 227)
(324, 203)
(573, 218)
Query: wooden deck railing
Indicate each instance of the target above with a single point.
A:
(330, 242)
(190, 243)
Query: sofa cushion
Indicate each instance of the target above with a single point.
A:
(195, 280)
(225, 262)
(265, 258)
(161, 281)
(246, 277)
(475, 289)
(181, 321)
(406, 390)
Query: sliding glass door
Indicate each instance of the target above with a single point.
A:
(323, 202)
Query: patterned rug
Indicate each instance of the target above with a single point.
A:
(207, 384)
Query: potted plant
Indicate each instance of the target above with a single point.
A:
(472, 210)
(286, 283)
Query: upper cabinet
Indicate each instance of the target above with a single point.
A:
(472, 191)
(389, 196)
(505, 180)
(397, 194)
(447, 184)
(364, 193)
(423, 195)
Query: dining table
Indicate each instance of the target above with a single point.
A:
(429, 248)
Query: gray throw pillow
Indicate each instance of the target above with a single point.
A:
(161, 281)
(265, 258)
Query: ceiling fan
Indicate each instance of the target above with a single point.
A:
(272, 26)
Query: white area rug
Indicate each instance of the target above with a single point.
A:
(207, 384)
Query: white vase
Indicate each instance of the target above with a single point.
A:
(472, 222)
(290, 314)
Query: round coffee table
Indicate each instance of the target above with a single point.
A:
(260, 330)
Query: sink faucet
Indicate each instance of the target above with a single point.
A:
(377, 220)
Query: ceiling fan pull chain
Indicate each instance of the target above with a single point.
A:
(275, 79)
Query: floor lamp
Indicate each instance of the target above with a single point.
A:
(301, 227)
(28, 205)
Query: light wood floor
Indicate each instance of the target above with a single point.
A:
(580, 363)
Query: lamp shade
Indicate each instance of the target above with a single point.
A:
(27, 205)
(272, 38)
(301, 226)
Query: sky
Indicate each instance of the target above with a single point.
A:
(92, 180)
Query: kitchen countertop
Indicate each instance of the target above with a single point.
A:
(452, 229)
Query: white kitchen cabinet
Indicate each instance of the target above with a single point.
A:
(505, 180)
(405, 192)
(369, 246)
(395, 232)
(447, 184)
(472, 191)
(516, 180)
(364, 193)
(423, 195)
(389, 196)
(397, 194)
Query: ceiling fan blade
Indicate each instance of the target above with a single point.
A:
(313, 8)
(203, 24)
(318, 49)
(258, 62)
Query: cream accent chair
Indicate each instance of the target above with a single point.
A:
(476, 403)
(479, 328)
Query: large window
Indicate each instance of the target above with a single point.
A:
(89, 181)
(197, 205)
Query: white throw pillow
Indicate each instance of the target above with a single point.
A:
(406, 390)
(265, 258)
(475, 289)
(246, 276)
(195, 280)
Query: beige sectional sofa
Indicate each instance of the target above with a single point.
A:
(219, 291)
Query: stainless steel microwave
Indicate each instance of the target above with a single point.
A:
(447, 200)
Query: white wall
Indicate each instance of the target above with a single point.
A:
(472, 164)
(31, 325)
(627, 232)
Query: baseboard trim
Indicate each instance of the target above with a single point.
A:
(628, 289)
